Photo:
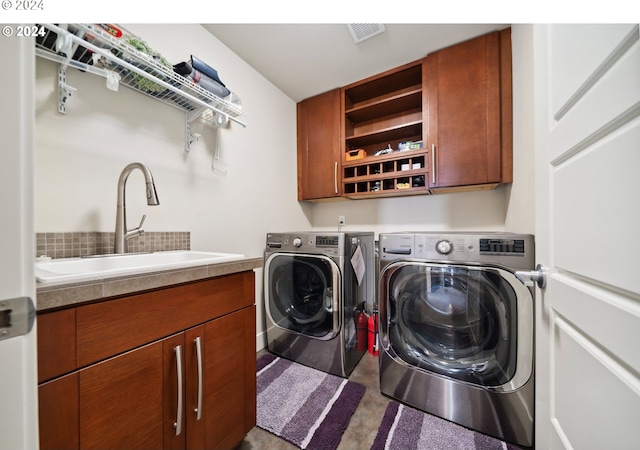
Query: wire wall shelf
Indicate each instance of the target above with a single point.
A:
(89, 48)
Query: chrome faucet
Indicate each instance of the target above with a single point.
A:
(122, 234)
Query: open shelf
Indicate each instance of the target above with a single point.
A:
(395, 174)
(382, 86)
(383, 111)
(379, 139)
(404, 100)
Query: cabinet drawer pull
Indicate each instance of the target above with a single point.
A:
(433, 164)
(198, 409)
(335, 177)
(178, 424)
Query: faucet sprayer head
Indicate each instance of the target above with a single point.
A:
(152, 195)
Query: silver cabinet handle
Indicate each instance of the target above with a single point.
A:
(433, 164)
(335, 177)
(178, 424)
(198, 409)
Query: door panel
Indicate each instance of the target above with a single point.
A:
(319, 146)
(587, 208)
(583, 225)
(609, 103)
(121, 401)
(464, 112)
(590, 380)
(575, 66)
(225, 380)
(618, 316)
(59, 415)
(18, 366)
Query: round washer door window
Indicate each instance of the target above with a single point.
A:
(301, 294)
(457, 321)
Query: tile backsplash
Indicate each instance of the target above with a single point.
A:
(70, 245)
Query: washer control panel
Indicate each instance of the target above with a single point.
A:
(328, 244)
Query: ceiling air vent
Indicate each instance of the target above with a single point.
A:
(361, 31)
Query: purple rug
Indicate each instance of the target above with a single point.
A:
(304, 406)
(405, 428)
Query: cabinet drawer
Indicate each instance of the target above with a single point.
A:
(56, 344)
(112, 327)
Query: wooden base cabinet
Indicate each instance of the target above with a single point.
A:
(192, 389)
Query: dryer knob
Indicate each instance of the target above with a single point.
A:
(297, 242)
(444, 247)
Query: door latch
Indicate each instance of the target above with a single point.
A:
(528, 277)
(17, 316)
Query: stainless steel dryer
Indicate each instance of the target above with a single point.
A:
(456, 328)
(313, 283)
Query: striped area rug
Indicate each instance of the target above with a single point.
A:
(405, 428)
(304, 406)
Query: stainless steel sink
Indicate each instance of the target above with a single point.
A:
(84, 269)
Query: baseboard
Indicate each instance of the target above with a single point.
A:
(261, 341)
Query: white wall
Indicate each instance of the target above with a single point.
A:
(79, 157)
(520, 214)
(478, 210)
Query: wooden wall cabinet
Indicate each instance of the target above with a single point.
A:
(319, 152)
(457, 102)
(134, 358)
(469, 113)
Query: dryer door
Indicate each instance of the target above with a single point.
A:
(302, 294)
(473, 324)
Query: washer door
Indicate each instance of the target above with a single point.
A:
(473, 324)
(302, 294)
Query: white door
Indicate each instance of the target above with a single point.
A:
(18, 378)
(587, 144)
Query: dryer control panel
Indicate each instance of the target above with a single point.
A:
(505, 249)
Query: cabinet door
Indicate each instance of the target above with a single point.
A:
(58, 411)
(319, 146)
(229, 378)
(120, 400)
(465, 112)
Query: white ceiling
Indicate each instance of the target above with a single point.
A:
(307, 59)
